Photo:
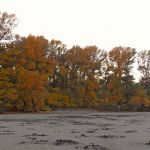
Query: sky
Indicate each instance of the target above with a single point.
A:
(105, 23)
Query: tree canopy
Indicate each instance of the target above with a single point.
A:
(37, 74)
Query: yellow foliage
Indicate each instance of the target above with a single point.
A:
(59, 100)
(138, 100)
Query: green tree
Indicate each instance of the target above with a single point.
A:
(144, 68)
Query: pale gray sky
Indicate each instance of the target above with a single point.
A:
(105, 23)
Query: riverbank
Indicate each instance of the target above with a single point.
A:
(75, 130)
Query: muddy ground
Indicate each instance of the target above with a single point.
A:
(75, 130)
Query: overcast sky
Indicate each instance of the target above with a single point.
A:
(105, 23)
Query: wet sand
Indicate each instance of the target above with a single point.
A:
(75, 130)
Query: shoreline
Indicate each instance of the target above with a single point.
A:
(67, 110)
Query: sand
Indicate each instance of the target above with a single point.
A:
(75, 130)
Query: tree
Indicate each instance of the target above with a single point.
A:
(121, 61)
(140, 99)
(118, 74)
(7, 23)
(85, 68)
(32, 74)
(144, 68)
(8, 91)
(56, 52)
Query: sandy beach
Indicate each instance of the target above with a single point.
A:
(75, 130)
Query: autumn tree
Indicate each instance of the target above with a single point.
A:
(8, 59)
(56, 52)
(32, 74)
(85, 67)
(8, 91)
(118, 75)
(140, 99)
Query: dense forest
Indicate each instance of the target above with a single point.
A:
(41, 75)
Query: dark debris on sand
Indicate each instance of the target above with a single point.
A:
(110, 136)
(81, 135)
(148, 143)
(35, 134)
(130, 131)
(64, 141)
(93, 146)
(6, 132)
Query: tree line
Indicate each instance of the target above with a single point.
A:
(39, 75)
